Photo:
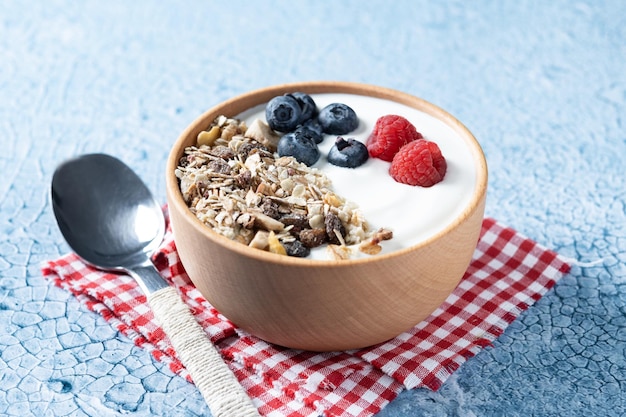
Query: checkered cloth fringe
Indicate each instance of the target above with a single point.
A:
(508, 273)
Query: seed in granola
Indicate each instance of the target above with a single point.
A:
(265, 222)
(287, 184)
(252, 199)
(229, 131)
(297, 249)
(333, 199)
(260, 240)
(246, 220)
(183, 162)
(298, 221)
(316, 221)
(312, 238)
(339, 252)
(202, 189)
(334, 228)
(286, 209)
(370, 247)
(264, 188)
(219, 166)
(382, 234)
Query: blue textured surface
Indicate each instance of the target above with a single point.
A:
(542, 85)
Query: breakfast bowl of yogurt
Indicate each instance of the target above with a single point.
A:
(326, 215)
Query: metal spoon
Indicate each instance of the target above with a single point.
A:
(111, 220)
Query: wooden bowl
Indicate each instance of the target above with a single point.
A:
(315, 304)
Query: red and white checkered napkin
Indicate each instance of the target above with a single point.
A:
(508, 274)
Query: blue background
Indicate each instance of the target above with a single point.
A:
(542, 85)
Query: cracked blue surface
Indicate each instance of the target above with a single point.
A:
(541, 85)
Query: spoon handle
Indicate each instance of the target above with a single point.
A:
(218, 385)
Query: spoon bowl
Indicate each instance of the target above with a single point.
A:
(117, 226)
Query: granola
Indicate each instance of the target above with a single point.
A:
(235, 183)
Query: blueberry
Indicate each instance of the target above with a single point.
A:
(315, 132)
(314, 125)
(307, 105)
(283, 113)
(299, 144)
(338, 119)
(348, 153)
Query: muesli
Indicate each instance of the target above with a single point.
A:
(235, 183)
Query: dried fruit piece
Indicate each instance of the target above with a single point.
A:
(312, 238)
(419, 163)
(219, 166)
(298, 222)
(297, 249)
(334, 229)
(270, 208)
(248, 148)
(244, 179)
(391, 132)
(222, 151)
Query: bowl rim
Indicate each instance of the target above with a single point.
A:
(259, 96)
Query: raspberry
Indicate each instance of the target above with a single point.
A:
(390, 133)
(418, 163)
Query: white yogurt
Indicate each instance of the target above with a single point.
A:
(413, 213)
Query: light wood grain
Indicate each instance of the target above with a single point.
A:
(324, 305)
